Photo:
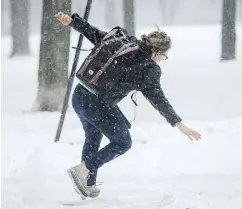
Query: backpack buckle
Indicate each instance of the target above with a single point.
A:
(100, 72)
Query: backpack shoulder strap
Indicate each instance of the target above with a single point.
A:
(111, 33)
(116, 31)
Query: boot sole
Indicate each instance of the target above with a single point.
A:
(95, 195)
(77, 183)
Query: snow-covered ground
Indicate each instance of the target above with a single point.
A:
(163, 170)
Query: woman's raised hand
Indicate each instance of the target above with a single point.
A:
(63, 18)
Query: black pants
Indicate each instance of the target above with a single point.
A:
(99, 118)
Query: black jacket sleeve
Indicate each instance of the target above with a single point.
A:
(153, 92)
(92, 33)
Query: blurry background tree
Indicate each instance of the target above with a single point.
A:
(20, 27)
(129, 16)
(147, 13)
(168, 11)
(110, 14)
(79, 6)
(228, 30)
(240, 11)
(54, 57)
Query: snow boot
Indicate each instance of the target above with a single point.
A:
(94, 191)
(79, 175)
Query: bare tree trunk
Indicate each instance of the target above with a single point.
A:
(240, 11)
(168, 11)
(20, 26)
(79, 6)
(129, 18)
(174, 6)
(162, 9)
(54, 56)
(228, 30)
(110, 13)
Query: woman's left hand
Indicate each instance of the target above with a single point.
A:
(192, 134)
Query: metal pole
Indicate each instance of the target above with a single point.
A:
(71, 78)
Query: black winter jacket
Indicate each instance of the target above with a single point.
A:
(141, 74)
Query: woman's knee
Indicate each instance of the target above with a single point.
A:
(128, 146)
(125, 143)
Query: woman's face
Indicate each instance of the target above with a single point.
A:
(159, 56)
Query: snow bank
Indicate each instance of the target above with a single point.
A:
(163, 169)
